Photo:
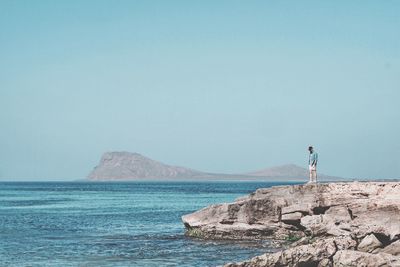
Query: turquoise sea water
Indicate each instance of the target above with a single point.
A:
(114, 224)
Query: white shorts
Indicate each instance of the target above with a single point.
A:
(312, 168)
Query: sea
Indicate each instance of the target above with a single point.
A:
(115, 224)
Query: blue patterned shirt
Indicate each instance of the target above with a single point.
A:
(313, 158)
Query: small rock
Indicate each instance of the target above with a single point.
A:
(295, 216)
(352, 258)
(315, 254)
(393, 248)
(369, 243)
(325, 263)
(302, 207)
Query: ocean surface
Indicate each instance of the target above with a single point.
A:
(114, 224)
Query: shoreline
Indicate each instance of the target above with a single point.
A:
(327, 223)
(304, 181)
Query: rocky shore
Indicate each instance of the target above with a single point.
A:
(333, 224)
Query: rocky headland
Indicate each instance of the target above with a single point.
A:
(329, 224)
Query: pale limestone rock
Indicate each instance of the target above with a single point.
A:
(352, 258)
(369, 243)
(335, 213)
(345, 242)
(325, 263)
(334, 209)
(317, 253)
(393, 248)
(295, 216)
(303, 208)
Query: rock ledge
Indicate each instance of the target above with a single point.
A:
(333, 224)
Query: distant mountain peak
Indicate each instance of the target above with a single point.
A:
(118, 165)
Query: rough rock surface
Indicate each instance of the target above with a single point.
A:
(303, 255)
(369, 243)
(363, 259)
(393, 248)
(338, 224)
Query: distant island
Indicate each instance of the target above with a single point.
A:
(123, 166)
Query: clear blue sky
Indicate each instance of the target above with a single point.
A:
(220, 86)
